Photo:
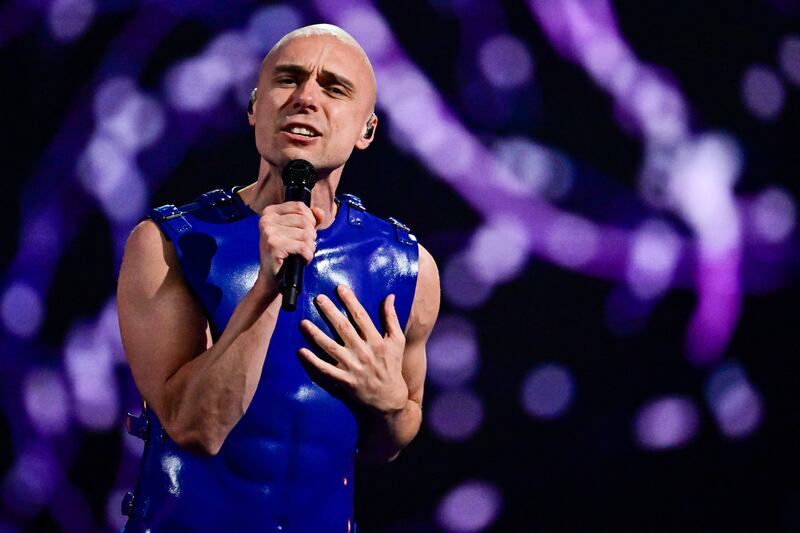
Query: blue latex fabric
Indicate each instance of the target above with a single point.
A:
(288, 463)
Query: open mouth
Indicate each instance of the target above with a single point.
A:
(305, 131)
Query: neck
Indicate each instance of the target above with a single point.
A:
(269, 189)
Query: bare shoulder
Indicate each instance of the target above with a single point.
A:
(427, 298)
(147, 253)
(161, 323)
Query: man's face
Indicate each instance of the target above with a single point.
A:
(315, 95)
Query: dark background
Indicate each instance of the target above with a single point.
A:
(581, 472)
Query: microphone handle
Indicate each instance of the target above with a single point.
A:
(291, 272)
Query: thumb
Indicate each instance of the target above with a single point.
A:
(319, 214)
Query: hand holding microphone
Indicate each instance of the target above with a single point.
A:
(288, 232)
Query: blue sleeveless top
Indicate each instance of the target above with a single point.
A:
(288, 463)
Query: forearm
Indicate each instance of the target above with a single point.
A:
(208, 395)
(383, 436)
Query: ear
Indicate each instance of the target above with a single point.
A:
(251, 107)
(368, 132)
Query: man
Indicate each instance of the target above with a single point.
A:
(255, 415)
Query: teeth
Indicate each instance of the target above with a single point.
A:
(302, 131)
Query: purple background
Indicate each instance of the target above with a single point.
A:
(609, 189)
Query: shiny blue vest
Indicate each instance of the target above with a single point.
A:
(288, 463)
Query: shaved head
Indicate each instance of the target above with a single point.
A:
(315, 99)
(325, 29)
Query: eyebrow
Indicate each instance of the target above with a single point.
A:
(326, 75)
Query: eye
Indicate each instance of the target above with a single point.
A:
(286, 80)
(335, 89)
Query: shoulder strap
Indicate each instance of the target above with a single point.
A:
(217, 204)
(356, 212)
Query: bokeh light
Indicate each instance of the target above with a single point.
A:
(659, 108)
(736, 405)
(270, 23)
(702, 180)
(495, 124)
(654, 256)
(455, 414)
(762, 92)
(90, 371)
(789, 58)
(369, 30)
(547, 391)
(69, 19)
(667, 422)
(46, 401)
(773, 215)
(535, 170)
(133, 120)
(31, 481)
(572, 241)
(462, 287)
(505, 61)
(498, 250)
(452, 352)
(471, 506)
(22, 309)
(198, 84)
(234, 49)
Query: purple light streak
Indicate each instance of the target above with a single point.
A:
(692, 169)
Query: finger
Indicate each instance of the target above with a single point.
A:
(392, 322)
(324, 367)
(287, 208)
(293, 234)
(340, 322)
(331, 347)
(360, 316)
(291, 246)
(292, 220)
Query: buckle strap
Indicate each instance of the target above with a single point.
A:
(402, 232)
(172, 216)
(138, 426)
(355, 209)
(222, 201)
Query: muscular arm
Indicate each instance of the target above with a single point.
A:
(198, 390)
(385, 434)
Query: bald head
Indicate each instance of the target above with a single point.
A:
(315, 99)
(325, 30)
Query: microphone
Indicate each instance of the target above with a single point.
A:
(299, 178)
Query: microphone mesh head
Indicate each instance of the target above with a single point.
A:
(299, 173)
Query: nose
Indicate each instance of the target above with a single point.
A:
(307, 96)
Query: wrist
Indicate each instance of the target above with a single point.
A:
(266, 287)
(391, 411)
